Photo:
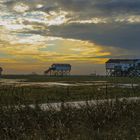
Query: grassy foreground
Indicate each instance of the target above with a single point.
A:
(107, 121)
(32, 94)
(29, 95)
(43, 78)
(36, 94)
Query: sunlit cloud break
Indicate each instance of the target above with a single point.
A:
(71, 31)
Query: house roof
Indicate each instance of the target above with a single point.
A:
(122, 60)
(58, 65)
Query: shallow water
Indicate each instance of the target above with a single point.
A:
(22, 83)
(100, 84)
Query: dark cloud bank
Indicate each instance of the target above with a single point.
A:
(117, 34)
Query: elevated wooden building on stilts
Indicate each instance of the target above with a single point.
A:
(123, 67)
(58, 70)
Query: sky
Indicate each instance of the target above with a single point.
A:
(85, 33)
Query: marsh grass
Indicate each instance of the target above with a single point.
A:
(42, 78)
(108, 121)
(30, 95)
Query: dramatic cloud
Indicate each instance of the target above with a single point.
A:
(73, 31)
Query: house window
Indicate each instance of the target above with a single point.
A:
(138, 64)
